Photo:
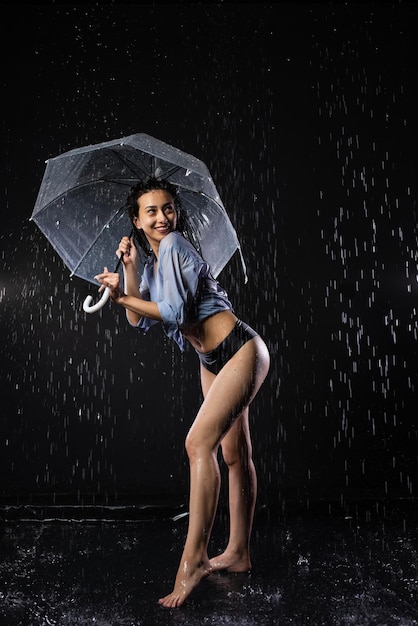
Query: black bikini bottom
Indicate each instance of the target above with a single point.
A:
(217, 358)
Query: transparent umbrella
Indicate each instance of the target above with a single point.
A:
(80, 204)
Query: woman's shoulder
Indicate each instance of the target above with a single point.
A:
(175, 242)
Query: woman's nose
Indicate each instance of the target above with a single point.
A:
(162, 217)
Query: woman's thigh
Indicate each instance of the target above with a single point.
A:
(230, 392)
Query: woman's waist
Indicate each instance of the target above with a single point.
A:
(207, 334)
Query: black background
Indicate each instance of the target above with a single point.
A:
(305, 114)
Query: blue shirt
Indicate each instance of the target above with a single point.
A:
(183, 288)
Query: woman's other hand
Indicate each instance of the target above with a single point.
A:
(111, 280)
(128, 251)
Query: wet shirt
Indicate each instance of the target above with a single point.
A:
(183, 288)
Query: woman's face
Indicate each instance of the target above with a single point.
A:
(157, 215)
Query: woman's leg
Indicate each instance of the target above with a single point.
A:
(227, 396)
(237, 454)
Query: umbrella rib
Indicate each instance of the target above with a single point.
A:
(87, 184)
(205, 195)
(130, 164)
(103, 180)
(114, 216)
(172, 171)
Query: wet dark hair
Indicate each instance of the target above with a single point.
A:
(132, 208)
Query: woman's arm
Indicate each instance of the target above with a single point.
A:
(132, 302)
(130, 279)
(130, 297)
(137, 308)
(128, 253)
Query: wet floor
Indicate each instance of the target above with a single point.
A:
(325, 566)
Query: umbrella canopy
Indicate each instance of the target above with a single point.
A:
(80, 203)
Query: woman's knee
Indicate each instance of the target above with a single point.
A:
(231, 455)
(190, 445)
(197, 446)
(236, 455)
(236, 447)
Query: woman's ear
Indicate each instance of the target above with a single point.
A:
(136, 222)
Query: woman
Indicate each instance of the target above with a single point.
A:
(177, 289)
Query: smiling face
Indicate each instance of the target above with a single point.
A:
(157, 216)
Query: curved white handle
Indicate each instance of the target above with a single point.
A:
(92, 309)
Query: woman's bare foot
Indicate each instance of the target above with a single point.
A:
(188, 577)
(231, 561)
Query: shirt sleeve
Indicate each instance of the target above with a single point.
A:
(144, 323)
(179, 272)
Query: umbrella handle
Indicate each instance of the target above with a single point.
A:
(92, 309)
